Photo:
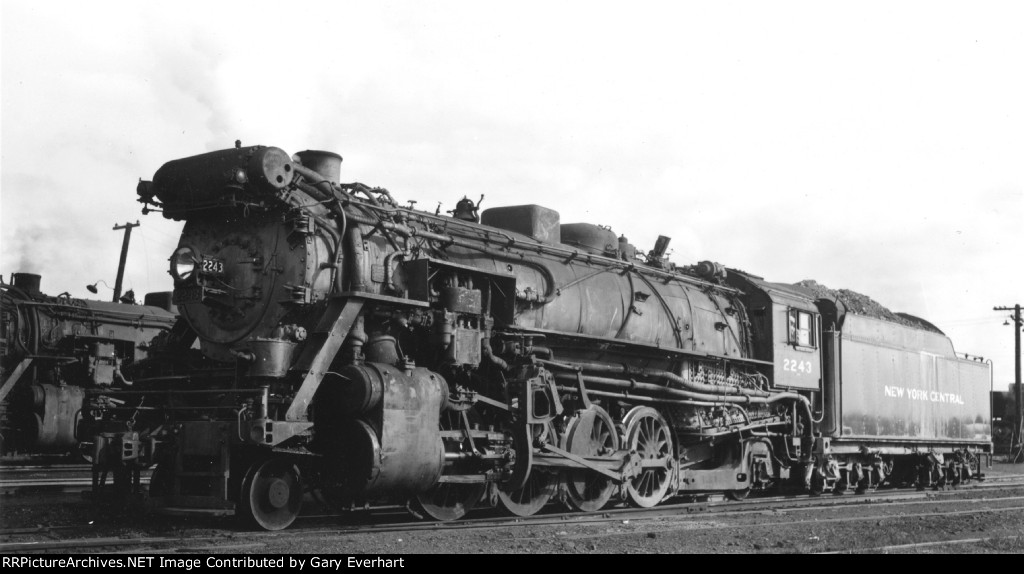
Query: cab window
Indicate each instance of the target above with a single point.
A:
(801, 328)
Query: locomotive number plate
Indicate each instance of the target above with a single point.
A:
(211, 266)
(183, 295)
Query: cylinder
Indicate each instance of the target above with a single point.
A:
(353, 389)
(383, 425)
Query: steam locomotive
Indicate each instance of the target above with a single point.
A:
(368, 351)
(53, 350)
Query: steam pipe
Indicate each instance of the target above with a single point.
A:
(388, 271)
(339, 257)
(658, 373)
(662, 390)
(20, 321)
(358, 280)
(365, 190)
(327, 196)
(490, 356)
(656, 400)
(317, 179)
(312, 191)
(546, 351)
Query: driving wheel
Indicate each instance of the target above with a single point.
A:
(447, 501)
(649, 435)
(591, 432)
(540, 485)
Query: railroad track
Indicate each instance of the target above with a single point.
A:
(51, 478)
(16, 475)
(18, 469)
(15, 480)
(394, 519)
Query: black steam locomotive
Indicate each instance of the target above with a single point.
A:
(55, 349)
(368, 351)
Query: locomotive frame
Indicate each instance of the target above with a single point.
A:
(370, 351)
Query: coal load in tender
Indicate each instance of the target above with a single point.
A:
(863, 305)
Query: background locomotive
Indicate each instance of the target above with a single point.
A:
(1004, 418)
(54, 348)
(370, 351)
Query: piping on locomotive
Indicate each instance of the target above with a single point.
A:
(56, 349)
(369, 351)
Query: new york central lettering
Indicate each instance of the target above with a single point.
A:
(922, 395)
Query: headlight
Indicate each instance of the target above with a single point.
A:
(183, 263)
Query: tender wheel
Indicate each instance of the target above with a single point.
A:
(540, 485)
(817, 486)
(863, 486)
(649, 435)
(590, 433)
(271, 494)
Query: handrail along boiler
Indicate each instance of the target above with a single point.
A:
(371, 351)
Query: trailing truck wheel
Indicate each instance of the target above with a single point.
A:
(271, 496)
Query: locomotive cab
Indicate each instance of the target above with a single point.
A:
(787, 326)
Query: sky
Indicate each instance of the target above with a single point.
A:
(872, 146)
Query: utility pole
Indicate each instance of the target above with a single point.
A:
(1017, 324)
(127, 227)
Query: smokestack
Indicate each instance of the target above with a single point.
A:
(327, 164)
(27, 282)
